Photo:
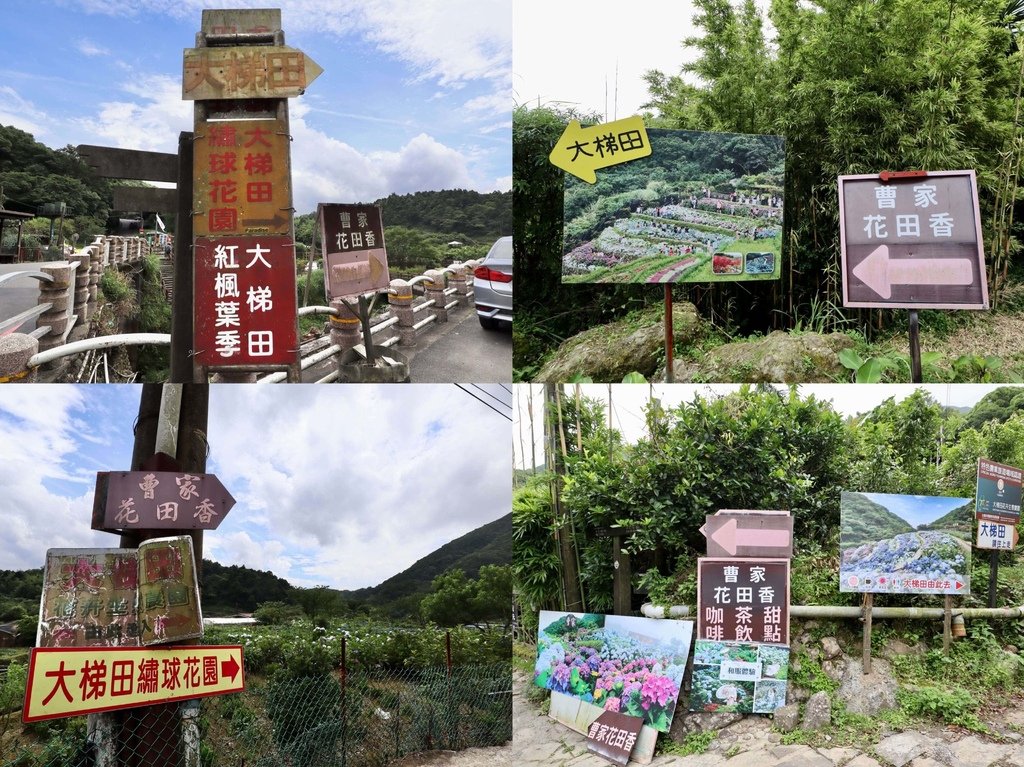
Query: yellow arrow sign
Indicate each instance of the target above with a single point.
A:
(247, 72)
(69, 681)
(581, 151)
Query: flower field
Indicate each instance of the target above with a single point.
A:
(609, 668)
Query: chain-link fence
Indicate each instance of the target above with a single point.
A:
(353, 719)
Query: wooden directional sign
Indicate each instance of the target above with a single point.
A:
(247, 72)
(352, 246)
(109, 162)
(75, 681)
(245, 301)
(912, 240)
(582, 151)
(749, 534)
(613, 736)
(145, 199)
(157, 500)
(242, 178)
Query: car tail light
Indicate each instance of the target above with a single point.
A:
(486, 273)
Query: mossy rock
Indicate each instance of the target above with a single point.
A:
(776, 358)
(608, 352)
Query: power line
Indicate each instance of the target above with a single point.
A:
(485, 403)
(500, 401)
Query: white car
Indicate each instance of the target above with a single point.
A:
(492, 285)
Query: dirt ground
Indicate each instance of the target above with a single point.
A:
(497, 756)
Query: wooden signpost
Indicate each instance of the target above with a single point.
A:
(158, 500)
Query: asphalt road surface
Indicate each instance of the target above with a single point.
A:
(460, 351)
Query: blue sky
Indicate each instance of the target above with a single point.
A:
(337, 485)
(415, 94)
(918, 509)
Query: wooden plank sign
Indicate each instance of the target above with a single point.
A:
(154, 500)
(749, 534)
(247, 72)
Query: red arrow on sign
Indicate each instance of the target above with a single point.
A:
(731, 537)
(959, 585)
(229, 668)
(880, 273)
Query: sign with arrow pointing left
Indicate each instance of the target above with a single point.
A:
(912, 240)
(582, 151)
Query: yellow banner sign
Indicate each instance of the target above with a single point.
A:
(85, 680)
(582, 151)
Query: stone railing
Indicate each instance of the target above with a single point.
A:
(68, 293)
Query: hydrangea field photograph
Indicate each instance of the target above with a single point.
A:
(730, 677)
(631, 665)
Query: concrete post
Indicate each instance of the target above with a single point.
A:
(345, 328)
(459, 279)
(16, 349)
(400, 301)
(95, 271)
(60, 294)
(104, 245)
(435, 291)
(82, 279)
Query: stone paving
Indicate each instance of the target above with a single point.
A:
(750, 742)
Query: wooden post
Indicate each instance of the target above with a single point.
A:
(993, 576)
(869, 603)
(670, 373)
(947, 624)
(184, 255)
(622, 591)
(915, 348)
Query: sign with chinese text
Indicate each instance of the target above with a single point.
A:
(905, 544)
(749, 534)
(581, 151)
(996, 535)
(912, 242)
(245, 302)
(614, 735)
(154, 500)
(637, 652)
(242, 178)
(72, 682)
(998, 492)
(352, 245)
(743, 600)
(246, 72)
(699, 225)
(739, 678)
(120, 597)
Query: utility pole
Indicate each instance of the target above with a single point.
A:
(566, 544)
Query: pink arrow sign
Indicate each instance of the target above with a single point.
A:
(172, 500)
(755, 534)
(880, 273)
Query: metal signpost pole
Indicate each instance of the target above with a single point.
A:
(670, 374)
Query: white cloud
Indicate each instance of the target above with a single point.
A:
(88, 48)
(152, 123)
(503, 184)
(21, 113)
(491, 103)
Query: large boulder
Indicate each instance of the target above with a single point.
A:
(635, 344)
(868, 694)
(777, 358)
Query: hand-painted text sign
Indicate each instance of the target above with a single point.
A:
(245, 304)
(242, 178)
(749, 534)
(352, 245)
(581, 151)
(159, 499)
(247, 72)
(71, 682)
(743, 600)
(614, 735)
(912, 242)
(998, 492)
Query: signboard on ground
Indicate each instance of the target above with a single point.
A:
(729, 677)
(154, 500)
(613, 736)
(743, 600)
(352, 246)
(72, 682)
(905, 544)
(912, 241)
(120, 597)
(695, 225)
(245, 301)
(749, 534)
(242, 178)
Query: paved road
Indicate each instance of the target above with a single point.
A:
(460, 351)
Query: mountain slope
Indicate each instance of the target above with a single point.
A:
(487, 545)
(864, 521)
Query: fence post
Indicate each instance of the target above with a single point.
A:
(459, 280)
(344, 703)
(449, 707)
(82, 277)
(400, 301)
(16, 349)
(435, 291)
(95, 264)
(59, 294)
(346, 331)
